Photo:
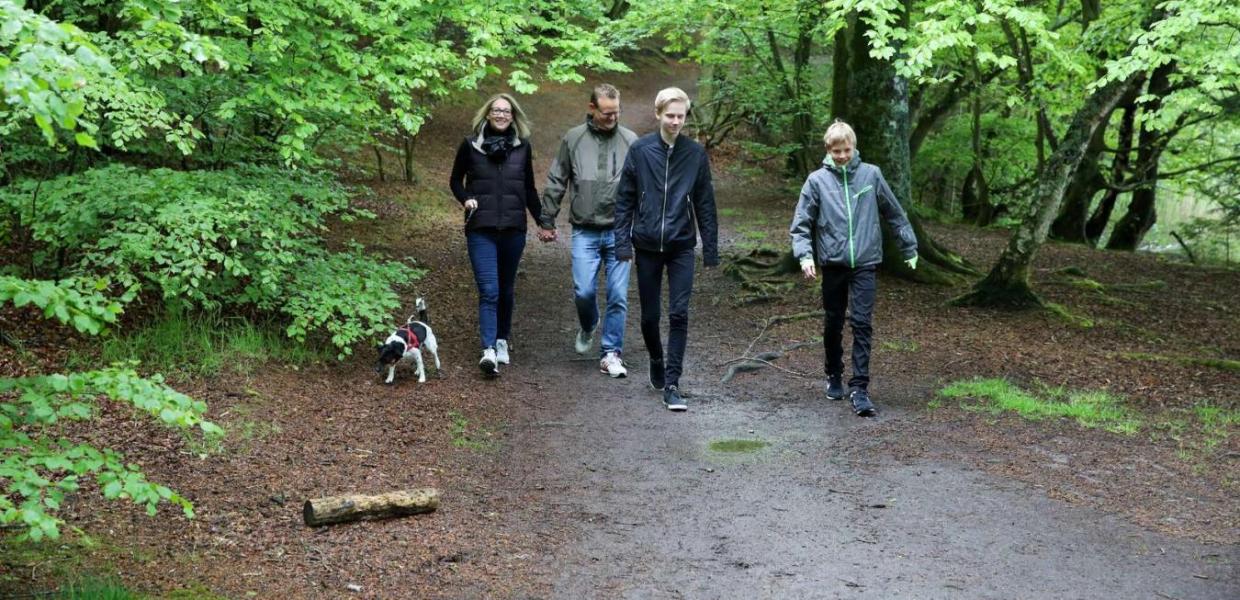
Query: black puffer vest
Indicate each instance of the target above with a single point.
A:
(499, 186)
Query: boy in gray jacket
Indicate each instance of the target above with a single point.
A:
(836, 227)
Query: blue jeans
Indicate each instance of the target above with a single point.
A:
(495, 256)
(593, 248)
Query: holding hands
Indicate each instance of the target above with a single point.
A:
(548, 235)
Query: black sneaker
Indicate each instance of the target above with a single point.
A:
(657, 374)
(835, 387)
(861, 403)
(672, 399)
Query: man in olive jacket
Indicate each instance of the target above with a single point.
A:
(590, 158)
(836, 228)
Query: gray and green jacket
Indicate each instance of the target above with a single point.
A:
(836, 220)
(591, 160)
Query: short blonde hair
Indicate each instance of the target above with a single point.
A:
(839, 131)
(669, 95)
(520, 122)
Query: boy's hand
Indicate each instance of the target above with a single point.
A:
(807, 268)
(912, 262)
(547, 235)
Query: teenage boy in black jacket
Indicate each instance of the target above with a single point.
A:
(664, 201)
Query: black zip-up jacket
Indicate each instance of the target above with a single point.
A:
(504, 189)
(665, 199)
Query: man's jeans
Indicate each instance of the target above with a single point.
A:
(495, 256)
(592, 248)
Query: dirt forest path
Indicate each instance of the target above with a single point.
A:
(632, 502)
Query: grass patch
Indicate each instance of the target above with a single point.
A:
(96, 589)
(738, 446)
(1198, 432)
(1093, 409)
(203, 344)
(1188, 361)
(474, 438)
(729, 212)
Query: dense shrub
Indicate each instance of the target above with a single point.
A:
(243, 239)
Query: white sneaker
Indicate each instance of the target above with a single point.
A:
(612, 365)
(488, 364)
(584, 341)
(501, 352)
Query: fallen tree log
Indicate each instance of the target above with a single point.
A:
(342, 509)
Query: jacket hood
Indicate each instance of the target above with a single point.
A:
(851, 167)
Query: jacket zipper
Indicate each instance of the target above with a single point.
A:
(667, 164)
(852, 251)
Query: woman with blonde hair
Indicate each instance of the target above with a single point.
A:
(493, 179)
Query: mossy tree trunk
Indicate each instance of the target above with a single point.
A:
(1007, 284)
(875, 101)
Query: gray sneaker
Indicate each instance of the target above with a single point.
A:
(861, 403)
(501, 352)
(673, 400)
(584, 341)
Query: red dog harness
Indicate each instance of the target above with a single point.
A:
(412, 341)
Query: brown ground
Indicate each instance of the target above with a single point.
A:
(567, 489)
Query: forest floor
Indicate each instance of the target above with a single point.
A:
(560, 482)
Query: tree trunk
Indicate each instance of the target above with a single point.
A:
(379, 161)
(342, 509)
(1135, 223)
(1098, 221)
(407, 143)
(875, 103)
(1007, 284)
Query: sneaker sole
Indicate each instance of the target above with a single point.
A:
(488, 367)
(657, 389)
(677, 407)
(613, 376)
(830, 397)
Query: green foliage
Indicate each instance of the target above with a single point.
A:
(242, 239)
(77, 302)
(235, 80)
(40, 471)
(1088, 408)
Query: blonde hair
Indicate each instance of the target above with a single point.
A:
(839, 131)
(669, 95)
(519, 121)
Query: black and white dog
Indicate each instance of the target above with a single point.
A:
(408, 342)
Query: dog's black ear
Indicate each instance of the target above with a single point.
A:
(379, 348)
